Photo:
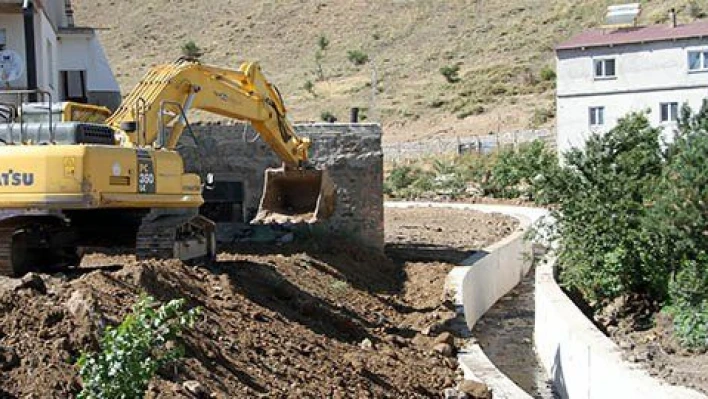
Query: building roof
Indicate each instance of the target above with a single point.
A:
(641, 34)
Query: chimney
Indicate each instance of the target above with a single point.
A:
(672, 17)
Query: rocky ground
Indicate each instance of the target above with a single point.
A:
(318, 319)
(646, 337)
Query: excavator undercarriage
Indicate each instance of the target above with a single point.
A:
(55, 241)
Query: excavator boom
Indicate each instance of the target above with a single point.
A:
(157, 110)
(78, 182)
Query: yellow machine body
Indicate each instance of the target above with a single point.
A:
(94, 176)
(92, 179)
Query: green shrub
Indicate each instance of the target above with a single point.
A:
(475, 110)
(679, 215)
(134, 351)
(357, 57)
(515, 171)
(548, 74)
(408, 182)
(601, 194)
(322, 42)
(689, 302)
(451, 73)
(541, 116)
(191, 50)
(695, 10)
(309, 87)
(328, 117)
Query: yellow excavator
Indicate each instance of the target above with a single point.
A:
(67, 184)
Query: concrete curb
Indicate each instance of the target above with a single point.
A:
(581, 360)
(481, 281)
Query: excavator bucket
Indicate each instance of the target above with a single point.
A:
(296, 196)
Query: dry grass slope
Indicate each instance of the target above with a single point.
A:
(501, 48)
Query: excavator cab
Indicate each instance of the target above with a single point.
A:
(296, 196)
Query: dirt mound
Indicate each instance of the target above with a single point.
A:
(310, 320)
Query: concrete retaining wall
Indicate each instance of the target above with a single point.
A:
(480, 282)
(350, 152)
(582, 362)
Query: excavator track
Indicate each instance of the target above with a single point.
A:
(156, 241)
(177, 236)
(6, 268)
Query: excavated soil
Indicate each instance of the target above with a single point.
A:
(317, 319)
(646, 337)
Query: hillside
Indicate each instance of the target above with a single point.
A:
(501, 48)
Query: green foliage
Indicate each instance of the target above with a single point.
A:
(451, 73)
(689, 298)
(679, 217)
(515, 171)
(541, 116)
(309, 87)
(327, 116)
(134, 351)
(695, 10)
(406, 181)
(548, 74)
(474, 110)
(322, 42)
(357, 57)
(507, 173)
(191, 50)
(601, 193)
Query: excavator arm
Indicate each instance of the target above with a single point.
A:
(154, 113)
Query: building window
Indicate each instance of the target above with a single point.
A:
(74, 86)
(605, 68)
(669, 112)
(597, 116)
(698, 60)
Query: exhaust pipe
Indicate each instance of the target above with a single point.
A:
(296, 196)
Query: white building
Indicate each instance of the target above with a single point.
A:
(67, 61)
(605, 75)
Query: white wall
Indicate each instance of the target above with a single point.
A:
(573, 114)
(14, 27)
(47, 75)
(646, 75)
(84, 52)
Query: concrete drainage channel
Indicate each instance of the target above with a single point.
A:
(575, 356)
(479, 282)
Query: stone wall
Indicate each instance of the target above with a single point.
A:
(350, 152)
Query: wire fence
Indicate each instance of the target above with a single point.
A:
(455, 146)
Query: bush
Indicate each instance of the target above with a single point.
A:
(601, 194)
(134, 351)
(548, 74)
(322, 42)
(309, 87)
(689, 299)
(191, 50)
(408, 182)
(328, 117)
(515, 171)
(695, 10)
(450, 72)
(357, 57)
(679, 216)
(541, 116)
